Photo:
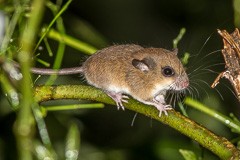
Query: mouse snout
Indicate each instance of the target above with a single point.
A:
(181, 83)
(184, 84)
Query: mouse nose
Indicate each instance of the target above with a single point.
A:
(184, 84)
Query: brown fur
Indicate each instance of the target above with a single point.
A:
(113, 66)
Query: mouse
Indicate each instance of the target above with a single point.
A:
(146, 74)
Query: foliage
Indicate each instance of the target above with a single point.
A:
(35, 137)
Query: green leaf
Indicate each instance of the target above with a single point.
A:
(188, 155)
(72, 143)
(41, 152)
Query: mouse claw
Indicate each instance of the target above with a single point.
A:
(163, 108)
(118, 98)
(120, 105)
(124, 96)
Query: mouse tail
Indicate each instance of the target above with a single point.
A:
(42, 71)
(64, 71)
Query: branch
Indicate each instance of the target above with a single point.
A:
(218, 145)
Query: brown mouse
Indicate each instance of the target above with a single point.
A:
(144, 73)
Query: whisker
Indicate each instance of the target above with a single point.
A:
(202, 47)
(134, 117)
(206, 72)
(205, 43)
(205, 65)
(194, 96)
(204, 82)
(190, 91)
(217, 64)
(195, 70)
(171, 98)
(210, 54)
(194, 88)
(167, 95)
(203, 87)
(219, 94)
(151, 124)
(174, 100)
(230, 90)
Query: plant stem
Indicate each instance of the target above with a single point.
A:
(179, 37)
(72, 42)
(218, 145)
(41, 125)
(24, 123)
(74, 106)
(236, 6)
(72, 143)
(9, 91)
(61, 47)
(52, 22)
(11, 28)
(235, 126)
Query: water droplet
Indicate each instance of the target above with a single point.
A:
(72, 154)
(14, 98)
(15, 74)
(40, 48)
(227, 121)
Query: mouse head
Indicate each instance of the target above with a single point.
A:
(162, 68)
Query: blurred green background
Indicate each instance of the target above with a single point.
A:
(107, 134)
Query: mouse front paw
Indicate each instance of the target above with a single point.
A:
(163, 108)
(118, 98)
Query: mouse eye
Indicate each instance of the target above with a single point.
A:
(168, 71)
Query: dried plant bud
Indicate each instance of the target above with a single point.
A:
(231, 54)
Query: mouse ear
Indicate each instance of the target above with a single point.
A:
(140, 65)
(175, 51)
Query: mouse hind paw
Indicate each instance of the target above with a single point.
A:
(118, 98)
(163, 108)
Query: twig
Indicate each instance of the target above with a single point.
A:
(218, 145)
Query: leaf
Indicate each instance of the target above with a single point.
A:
(72, 143)
(188, 155)
(41, 152)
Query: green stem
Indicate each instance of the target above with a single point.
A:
(72, 143)
(10, 28)
(236, 6)
(24, 123)
(179, 37)
(43, 62)
(182, 109)
(74, 106)
(9, 91)
(235, 126)
(61, 47)
(72, 42)
(48, 47)
(52, 22)
(41, 125)
(218, 145)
